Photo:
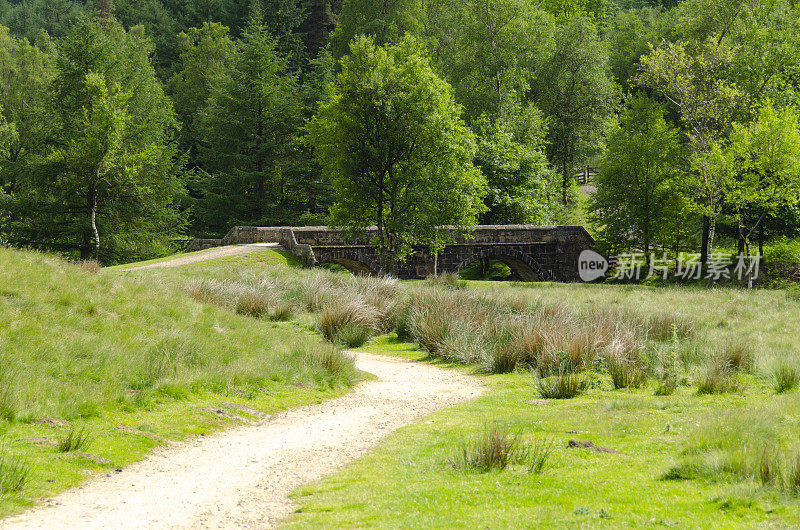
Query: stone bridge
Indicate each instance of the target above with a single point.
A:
(534, 253)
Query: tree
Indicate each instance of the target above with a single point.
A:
(521, 187)
(576, 93)
(248, 129)
(762, 162)
(204, 53)
(386, 20)
(112, 179)
(637, 186)
(399, 156)
(489, 50)
(697, 84)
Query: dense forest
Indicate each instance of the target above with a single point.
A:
(127, 127)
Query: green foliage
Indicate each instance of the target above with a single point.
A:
(577, 95)
(521, 187)
(105, 181)
(386, 22)
(247, 128)
(399, 156)
(639, 183)
(762, 162)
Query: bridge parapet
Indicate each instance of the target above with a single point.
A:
(532, 252)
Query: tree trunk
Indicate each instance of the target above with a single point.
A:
(704, 245)
(93, 219)
(564, 183)
(761, 244)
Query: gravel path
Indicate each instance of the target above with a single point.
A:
(241, 478)
(213, 253)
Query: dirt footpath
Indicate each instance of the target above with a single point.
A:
(242, 477)
(205, 255)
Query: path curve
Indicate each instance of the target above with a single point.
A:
(205, 255)
(242, 477)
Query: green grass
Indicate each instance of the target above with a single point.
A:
(82, 354)
(688, 460)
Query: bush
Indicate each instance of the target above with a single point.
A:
(786, 378)
(494, 449)
(563, 386)
(783, 251)
(13, 474)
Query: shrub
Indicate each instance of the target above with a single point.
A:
(75, 439)
(717, 378)
(783, 251)
(13, 474)
(563, 386)
(351, 322)
(255, 305)
(786, 378)
(493, 449)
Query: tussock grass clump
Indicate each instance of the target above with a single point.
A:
(717, 378)
(623, 360)
(334, 364)
(791, 479)
(494, 449)
(737, 355)
(13, 474)
(464, 344)
(787, 377)
(664, 325)
(539, 455)
(253, 304)
(91, 266)
(430, 326)
(73, 440)
(566, 385)
(351, 323)
(447, 280)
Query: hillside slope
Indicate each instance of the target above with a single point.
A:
(130, 360)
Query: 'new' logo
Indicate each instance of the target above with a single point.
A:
(591, 266)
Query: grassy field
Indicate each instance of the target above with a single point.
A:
(687, 460)
(96, 368)
(680, 384)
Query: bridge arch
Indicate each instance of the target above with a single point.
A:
(521, 264)
(357, 267)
